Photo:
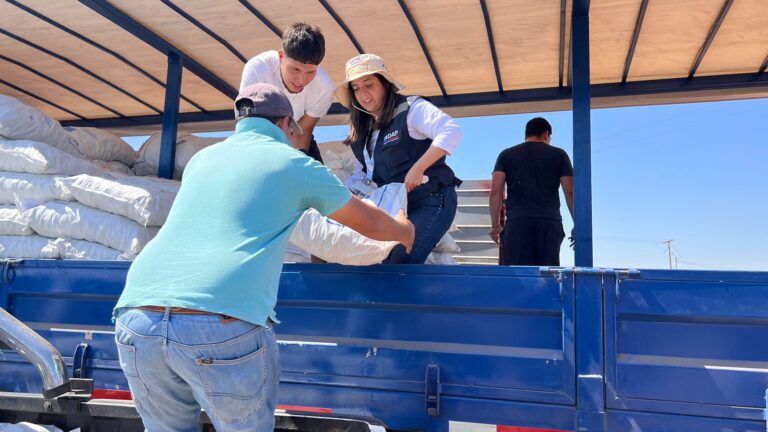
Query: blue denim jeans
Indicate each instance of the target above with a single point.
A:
(432, 215)
(178, 363)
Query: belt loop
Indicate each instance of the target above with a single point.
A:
(167, 314)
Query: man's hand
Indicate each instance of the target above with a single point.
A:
(572, 238)
(402, 218)
(414, 178)
(299, 142)
(495, 232)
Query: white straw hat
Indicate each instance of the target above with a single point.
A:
(360, 66)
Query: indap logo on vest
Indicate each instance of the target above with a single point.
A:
(391, 137)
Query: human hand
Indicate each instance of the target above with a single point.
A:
(413, 178)
(298, 142)
(572, 238)
(410, 236)
(495, 232)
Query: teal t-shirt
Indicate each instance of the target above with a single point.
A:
(221, 249)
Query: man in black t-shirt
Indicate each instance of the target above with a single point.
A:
(533, 172)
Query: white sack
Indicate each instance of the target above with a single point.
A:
(22, 122)
(447, 244)
(39, 158)
(187, 145)
(37, 187)
(102, 145)
(440, 258)
(113, 167)
(144, 201)
(85, 250)
(28, 247)
(336, 243)
(77, 221)
(339, 158)
(290, 257)
(12, 222)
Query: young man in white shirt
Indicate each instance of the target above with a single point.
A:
(295, 70)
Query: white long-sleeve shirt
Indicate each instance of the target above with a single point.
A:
(424, 121)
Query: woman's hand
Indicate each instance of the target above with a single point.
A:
(414, 178)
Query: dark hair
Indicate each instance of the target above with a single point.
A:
(537, 126)
(304, 43)
(363, 123)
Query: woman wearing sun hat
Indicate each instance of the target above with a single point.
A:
(399, 139)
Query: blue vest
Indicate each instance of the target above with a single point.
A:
(396, 152)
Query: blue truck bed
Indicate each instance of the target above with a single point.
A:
(455, 348)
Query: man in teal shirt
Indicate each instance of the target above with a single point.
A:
(194, 322)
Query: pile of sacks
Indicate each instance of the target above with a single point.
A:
(70, 193)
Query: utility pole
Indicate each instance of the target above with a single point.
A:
(669, 250)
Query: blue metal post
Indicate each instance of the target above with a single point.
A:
(590, 389)
(582, 140)
(170, 116)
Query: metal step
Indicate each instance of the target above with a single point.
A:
(479, 248)
(473, 221)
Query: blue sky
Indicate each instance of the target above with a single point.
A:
(694, 173)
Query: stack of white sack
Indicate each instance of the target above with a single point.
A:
(29, 173)
(23, 122)
(35, 219)
(77, 221)
(148, 157)
(336, 243)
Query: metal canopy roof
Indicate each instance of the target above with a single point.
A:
(104, 63)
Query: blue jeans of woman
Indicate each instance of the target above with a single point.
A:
(432, 215)
(177, 363)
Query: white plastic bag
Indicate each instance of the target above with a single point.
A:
(22, 122)
(29, 247)
(440, 258)
(77, 221)
(447, 244)
(12, 222)
(336, 243)
(85, 250)
(187, 145)
(391, 198)
(144, 201)
(38, 187)
(39, 158)
(102, 145)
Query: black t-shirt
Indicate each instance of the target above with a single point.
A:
(533, 171)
